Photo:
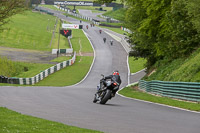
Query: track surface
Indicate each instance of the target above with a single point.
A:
(73, 105)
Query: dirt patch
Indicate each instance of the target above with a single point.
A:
(33, 56)
(136, 88)
(25, 55)
(85, 54)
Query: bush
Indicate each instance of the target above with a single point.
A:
(9, 68)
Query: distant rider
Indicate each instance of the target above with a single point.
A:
(104, 40)
(111, 42)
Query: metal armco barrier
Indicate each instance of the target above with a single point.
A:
(77, 15)
(180, 90)
(43, 74)
(127, 30)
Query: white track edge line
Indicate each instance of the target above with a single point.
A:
(91, 64)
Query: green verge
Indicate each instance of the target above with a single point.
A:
(20, 69)
(63, 42)
(61, 59)
(113, 24)
(117, 30)
(178, 70)
(136, 65)
(117, 14)
(16, 122)
(80, 42)
(51, 7)
(28, 31)
(134, 93)
(32, 30)
(69, 75)
(13, 122)
(77, 18)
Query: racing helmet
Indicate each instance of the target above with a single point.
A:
(116, 72)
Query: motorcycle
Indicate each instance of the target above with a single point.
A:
(105, 90)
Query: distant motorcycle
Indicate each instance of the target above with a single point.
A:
(105, 90)
(104, 40)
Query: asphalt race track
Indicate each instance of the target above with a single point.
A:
(73, 105)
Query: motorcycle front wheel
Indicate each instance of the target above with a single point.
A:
(95, 99)
(106, 97)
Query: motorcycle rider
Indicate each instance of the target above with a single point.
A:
(100, 31)
(111, 42)
(115, 77)
(104, 40)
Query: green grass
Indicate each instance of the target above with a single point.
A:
(134, 93)
(79, 40)
(20, 69)
(28, 31)
(117, 30)
(182, 69)
(51, 7)
(118, 14)
(61, 59)
(63, 42)
(113, 24)
(136, 65)
(13, 122)
(77, 18)
(69, 75)
(32, 31)
(33, 69)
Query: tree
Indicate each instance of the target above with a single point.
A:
(163, 29)
(193, 7)
(9, 8)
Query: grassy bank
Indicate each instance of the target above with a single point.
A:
(13, 122)
(136, 65)
(32, 30)
(133, 92)
(80, 42)
(182, 69)
(28, 31)
(117, 30)
(113, 24)
(69, 75)
(117, 14)
(63, 42)
(20, 69)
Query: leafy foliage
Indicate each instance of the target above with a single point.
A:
(9, 8)
(9, 68)
(163, 29)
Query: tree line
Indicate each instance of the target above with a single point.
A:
(163, 29)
